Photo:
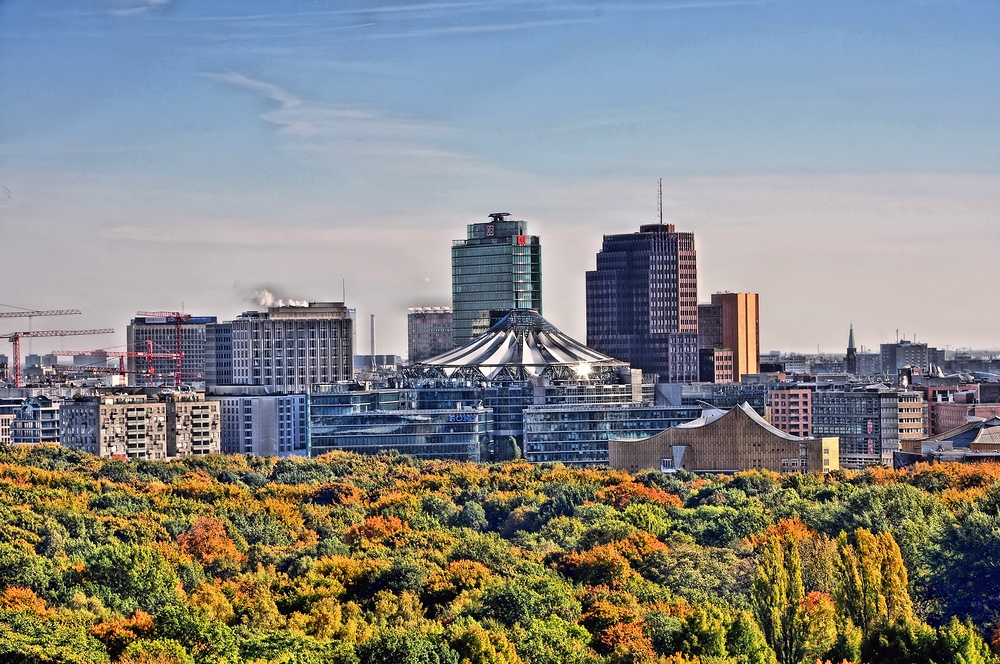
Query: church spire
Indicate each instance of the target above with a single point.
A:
(850, 339)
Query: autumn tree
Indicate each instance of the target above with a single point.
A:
(776, 598)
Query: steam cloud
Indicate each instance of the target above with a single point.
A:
(265, 298)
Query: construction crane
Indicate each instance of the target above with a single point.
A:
(148, 355)
(31, 313)
(15, 339)
(179, 319)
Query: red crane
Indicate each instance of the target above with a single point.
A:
(179, 319)
(15, 339)
(147, 355)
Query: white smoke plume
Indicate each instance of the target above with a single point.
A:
(265, 298)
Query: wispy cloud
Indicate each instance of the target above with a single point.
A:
(133, 7)
(308, 119)
(486, 27)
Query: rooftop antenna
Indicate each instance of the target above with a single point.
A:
(659, 202)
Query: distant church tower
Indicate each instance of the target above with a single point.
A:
(852, 354)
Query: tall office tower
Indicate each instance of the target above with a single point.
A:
(852, 355)
(642, 302)
(496, 269)
(163, 333)
(741, 330)
(289, 349)
(430, 331)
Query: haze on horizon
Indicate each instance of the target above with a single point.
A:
(841, 158)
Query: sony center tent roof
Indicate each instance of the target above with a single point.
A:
(521, 343)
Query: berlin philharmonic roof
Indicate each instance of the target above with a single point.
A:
(523, 340)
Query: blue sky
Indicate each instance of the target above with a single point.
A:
(841, 158)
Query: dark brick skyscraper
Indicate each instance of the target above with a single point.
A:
(642, 302)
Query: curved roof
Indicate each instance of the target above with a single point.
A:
(525, 341)
(710, 416)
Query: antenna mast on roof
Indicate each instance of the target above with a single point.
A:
(659, 202)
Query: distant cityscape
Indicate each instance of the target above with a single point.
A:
(663, 379)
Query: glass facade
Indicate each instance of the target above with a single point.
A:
(642, 302)
(427, 434)
(496, 269)
(579, 435)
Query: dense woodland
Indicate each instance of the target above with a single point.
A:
(388, 560)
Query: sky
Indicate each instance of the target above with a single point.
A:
(839, 157)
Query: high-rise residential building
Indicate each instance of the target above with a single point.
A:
(791, 408)
(141, 426)
(288, 349)
(741, 330)
(430, 332)
(162, 331)
(642, 301)
(497, 268)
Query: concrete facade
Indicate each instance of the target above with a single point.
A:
(264, 425)
(289, 349)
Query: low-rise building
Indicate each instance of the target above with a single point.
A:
(35, 420)
(264, 424)
(459, 434)
(726, 442)
(579, 434)
(5, 421)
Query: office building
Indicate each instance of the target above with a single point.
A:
(497, 268)
(288, 349)
(902, 355)
(791, 408)
(458, 434)
(162, 332)
(430, 332)
(642, 302)
(578, 434)
(726, 442)
(263, 424)
(219, 354)
(741, 330)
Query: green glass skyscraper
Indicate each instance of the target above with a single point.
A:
(496, 269)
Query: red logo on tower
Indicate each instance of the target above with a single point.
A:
(522, 240)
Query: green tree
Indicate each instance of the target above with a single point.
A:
(872, 584)
(746, 643)
(776, 598)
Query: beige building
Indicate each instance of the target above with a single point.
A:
(193, 425)
(726, 442)
(140, 427)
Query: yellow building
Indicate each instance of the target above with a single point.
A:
(726, 442)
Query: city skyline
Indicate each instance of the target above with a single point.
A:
(158, 155)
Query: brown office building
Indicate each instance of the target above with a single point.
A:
(741, 330)
(727, 442)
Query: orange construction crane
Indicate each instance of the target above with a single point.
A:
(15, 339)
(179, 319)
